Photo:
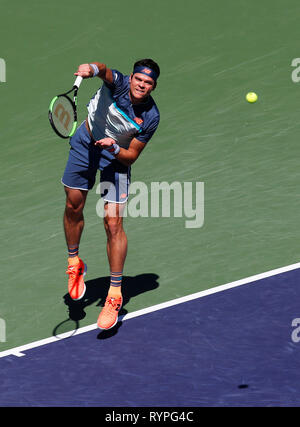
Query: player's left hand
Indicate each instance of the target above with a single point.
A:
(105, 143)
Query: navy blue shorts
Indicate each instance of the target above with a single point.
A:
(85, 159)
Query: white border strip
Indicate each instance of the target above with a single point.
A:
(19, 351)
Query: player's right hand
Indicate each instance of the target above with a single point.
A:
(85, 71)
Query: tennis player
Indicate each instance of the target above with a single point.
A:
(122, 118)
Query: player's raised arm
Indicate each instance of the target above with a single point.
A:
(95, 69)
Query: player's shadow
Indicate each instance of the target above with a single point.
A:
(96, 290)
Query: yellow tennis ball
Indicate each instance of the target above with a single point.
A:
(251, 97)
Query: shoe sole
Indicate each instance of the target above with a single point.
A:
(106, 329)
(81, 296)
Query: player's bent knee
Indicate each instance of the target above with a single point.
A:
(74, 206)
(75, 200)
(113, 226)
(74, 209)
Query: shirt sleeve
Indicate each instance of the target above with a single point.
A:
(118, 81)
(149, 131)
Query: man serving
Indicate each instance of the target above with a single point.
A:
(122, 118)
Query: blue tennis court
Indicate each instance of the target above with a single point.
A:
(229, 348)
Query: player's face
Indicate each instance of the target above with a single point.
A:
(140, 86)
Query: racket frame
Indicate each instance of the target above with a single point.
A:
(72, 102)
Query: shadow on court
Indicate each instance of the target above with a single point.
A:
(96, 290)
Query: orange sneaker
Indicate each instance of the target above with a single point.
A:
(76, 285)
(109, 315)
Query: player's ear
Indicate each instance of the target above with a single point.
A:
(130, 77)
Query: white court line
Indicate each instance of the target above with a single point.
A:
(19, 351)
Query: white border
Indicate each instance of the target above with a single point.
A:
(73, 188)
(19, 351)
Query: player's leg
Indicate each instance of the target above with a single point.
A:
(116, 245)
(114, 189)
(78, 179)
(116, 252)
(74, 219)
(73, 226)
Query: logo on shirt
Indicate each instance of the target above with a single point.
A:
(138, 120)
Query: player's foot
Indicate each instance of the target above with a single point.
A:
(109, 314)
(76, 285)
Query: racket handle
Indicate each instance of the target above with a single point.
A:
(78, 81)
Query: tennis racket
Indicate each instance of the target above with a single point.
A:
(63, 112)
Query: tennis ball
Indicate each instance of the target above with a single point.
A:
(251, 97)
